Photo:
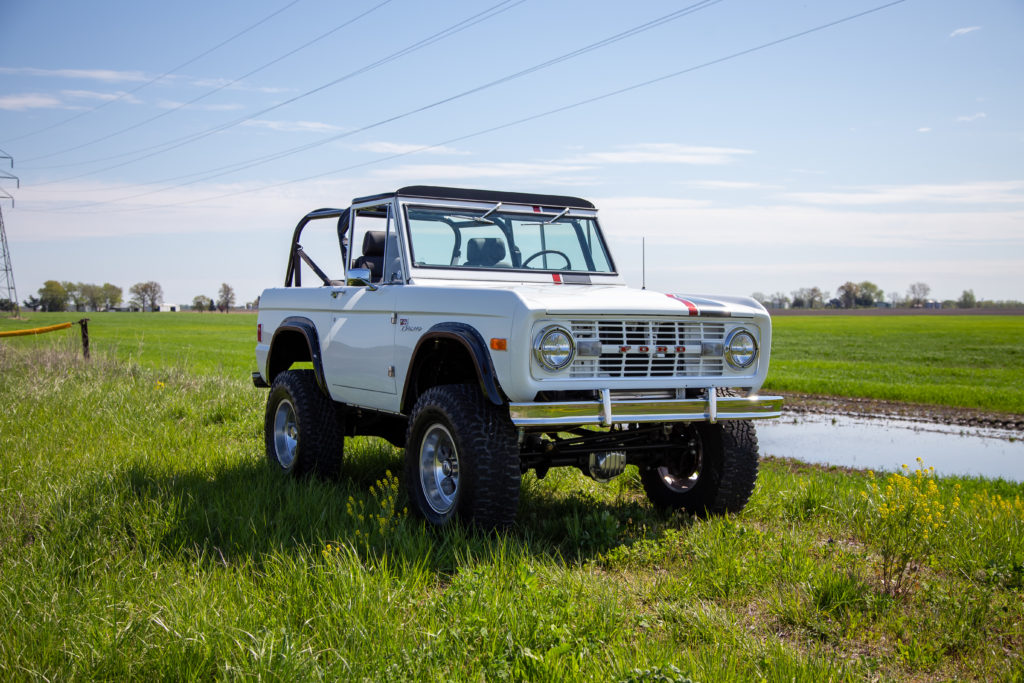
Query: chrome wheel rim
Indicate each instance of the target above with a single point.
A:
(286, 434)
(683, 475)
(439, 469)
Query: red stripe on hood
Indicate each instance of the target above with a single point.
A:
(690, 306)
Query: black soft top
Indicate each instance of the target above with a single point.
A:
(523, 198)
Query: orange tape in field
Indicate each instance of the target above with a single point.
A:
(37, 330)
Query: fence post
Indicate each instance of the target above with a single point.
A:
(84, 324)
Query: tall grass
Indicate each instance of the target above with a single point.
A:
(142, 535)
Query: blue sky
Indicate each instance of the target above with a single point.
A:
(886, 148)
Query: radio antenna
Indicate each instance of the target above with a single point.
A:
(643, 263)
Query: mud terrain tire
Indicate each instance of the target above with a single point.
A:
(716, 477)
(301, 428)
(462, 459)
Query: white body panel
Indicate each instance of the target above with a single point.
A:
(360, 342)
(367, 335)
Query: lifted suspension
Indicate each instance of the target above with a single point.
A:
(640, 444)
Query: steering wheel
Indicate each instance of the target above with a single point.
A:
(568, 263)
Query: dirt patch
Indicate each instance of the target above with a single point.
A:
(878, 408)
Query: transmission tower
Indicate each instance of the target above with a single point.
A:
(7, 289)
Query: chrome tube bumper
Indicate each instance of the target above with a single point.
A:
(608, 412)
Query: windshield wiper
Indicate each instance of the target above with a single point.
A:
(475, 219)
(564, 211)
(552, 220)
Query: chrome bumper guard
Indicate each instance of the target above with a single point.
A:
(608, 412)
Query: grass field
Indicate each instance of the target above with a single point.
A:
(142, 535)
(960, 361)
(963, 361)
(203, 343)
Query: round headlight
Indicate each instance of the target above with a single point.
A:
(740, 349)
(554, 348)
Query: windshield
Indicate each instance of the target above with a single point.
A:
(553, 240)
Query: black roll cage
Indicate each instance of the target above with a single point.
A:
(296, 256)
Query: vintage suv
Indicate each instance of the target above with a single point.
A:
(489, 333)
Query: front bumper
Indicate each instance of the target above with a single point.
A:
(710, 408)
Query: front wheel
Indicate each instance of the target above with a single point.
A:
(462, 459)
(301, 427)
(708, 469)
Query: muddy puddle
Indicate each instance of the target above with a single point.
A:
(886, 444)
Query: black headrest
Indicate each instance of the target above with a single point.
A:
(485, 251)
(373, 243)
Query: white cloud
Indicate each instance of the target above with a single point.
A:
(30, 101)
(103, 96)
(294, 126)
(25, 101)
(647, 205)
(728, 185)
(971, 118)
(692, 245)
(225, 82)
(574, 170)
(999, 192)
(924, 130)
(963, 31)
(677, 223)
(89, 74)
(663, 153)
(171, 104)
(418, 173)
(47, 213)
(684, 219)
(403, 148)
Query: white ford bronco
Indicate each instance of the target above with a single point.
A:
(490, 333)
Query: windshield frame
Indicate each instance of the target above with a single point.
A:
(544, 215)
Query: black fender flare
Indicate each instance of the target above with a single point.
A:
(306, 328)
(474, 343)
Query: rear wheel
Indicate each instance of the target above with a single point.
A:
(462, 459)
(709, 469)
(301, 427)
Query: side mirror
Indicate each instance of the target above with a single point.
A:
(359, 277)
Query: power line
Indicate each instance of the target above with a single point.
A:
(534, 117)
(160, 148)
(239, 166)
(158, 78)
(200, 97)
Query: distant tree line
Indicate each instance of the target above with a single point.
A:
(867, 294)
(225, 300)
(145, 296)
(75, 296)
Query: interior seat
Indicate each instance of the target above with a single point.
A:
(485, 252)
(373, 254)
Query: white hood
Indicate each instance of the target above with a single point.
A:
(616, 300)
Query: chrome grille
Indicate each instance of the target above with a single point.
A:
(681, 340)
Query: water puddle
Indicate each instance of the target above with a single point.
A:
(886, 444)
